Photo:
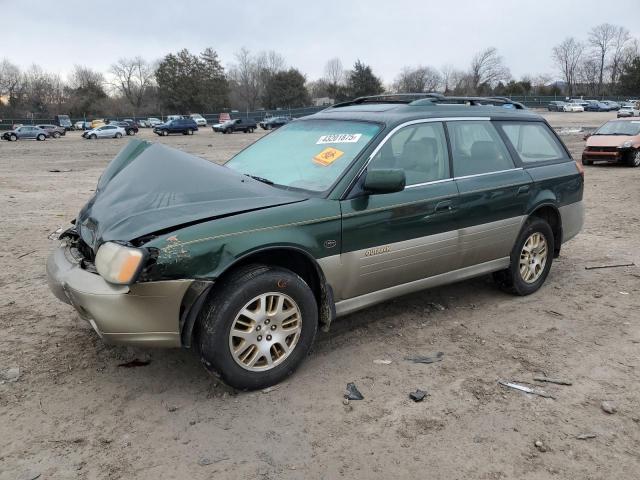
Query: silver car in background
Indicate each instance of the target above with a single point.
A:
(106, 131)
(628, 110)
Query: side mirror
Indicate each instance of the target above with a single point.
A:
(388, 180)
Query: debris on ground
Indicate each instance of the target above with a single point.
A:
(11, 375)
(135, 363)
(539, 444)
(269, 389)
(525, 389)
(382, 362)
(557, 381)
(595, 267)
(25, 254)
(608, 407)
(418, 395)
(586, 436)
(55, 170)
(437, 306)
(172, 408)
(426, 359)
(352, 392)
(204, 461)
(553, 312)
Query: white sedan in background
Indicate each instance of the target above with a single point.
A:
(572, 107)
(106, 131)
(200, 120)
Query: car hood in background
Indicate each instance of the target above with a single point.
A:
(149, 187)
(610, 140)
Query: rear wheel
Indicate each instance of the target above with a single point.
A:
(257, 327)
(165, 133)
(40, 137)
(56, 134)
(13, 138)
(633, 158)
(118, 135)
(93, 136)
(531, 259)
(189, 131)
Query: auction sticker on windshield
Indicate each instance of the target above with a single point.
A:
(339, 138)
(327, 156)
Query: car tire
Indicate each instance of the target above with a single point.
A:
(93, 136)
(40, 137)
(522, 277)
(130, 132)
(633, 158)
(587, 162)
(56, 135)
(189, 132)
(164, 133)
(13, 138)
(118, 135)
(257, 286)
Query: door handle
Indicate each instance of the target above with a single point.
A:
(445, 206)
(523, 189)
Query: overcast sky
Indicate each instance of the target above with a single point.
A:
(385, 34)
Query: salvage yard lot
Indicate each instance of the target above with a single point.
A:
(75, 413)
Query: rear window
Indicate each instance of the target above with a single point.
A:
(533, 141)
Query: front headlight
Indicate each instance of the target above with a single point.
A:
(626, 144)
(119, 264)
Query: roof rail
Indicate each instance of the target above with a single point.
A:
(474, 101)
(390, 98)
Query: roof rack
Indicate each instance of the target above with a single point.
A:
(389, 98)
(419, 99)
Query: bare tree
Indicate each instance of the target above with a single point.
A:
(567, 56)
(620, 42)
(10, 79)
(270, 62)
(588, 75)
(245, 77)
(487, 67)
(451, 77)
(132, 78)
(601, 39)
(334, 77)
(418, 79)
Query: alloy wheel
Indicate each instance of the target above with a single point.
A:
(265, 331)
(533, 257)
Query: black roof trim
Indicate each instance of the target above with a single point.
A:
(424, 99)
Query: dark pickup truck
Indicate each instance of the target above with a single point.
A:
(236, 125)
(130, 127)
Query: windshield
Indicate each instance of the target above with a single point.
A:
(308, 154)
(620, 127)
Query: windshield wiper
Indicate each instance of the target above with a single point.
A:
(260, 179)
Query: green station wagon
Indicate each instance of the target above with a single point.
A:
(360, 203)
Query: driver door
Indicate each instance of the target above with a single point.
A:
(395, 238)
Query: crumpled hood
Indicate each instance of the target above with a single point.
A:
(149, 187)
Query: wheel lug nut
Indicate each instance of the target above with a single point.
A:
(259, 337)
(268, 337)
(258, 328)
(273, 327)
(266, 322)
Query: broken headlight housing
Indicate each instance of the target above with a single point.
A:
(118, 263)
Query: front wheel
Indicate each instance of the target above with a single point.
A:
(13, 138)
(189, 132)
(531, 259)
(93, 136)
(56, 134)
(257, 327)
(633, 158)
(165, 133)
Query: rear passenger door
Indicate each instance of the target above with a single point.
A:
(494, 191)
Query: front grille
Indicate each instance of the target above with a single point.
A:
(85, 251)
(603, 149)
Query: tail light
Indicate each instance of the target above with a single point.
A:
(580, 168)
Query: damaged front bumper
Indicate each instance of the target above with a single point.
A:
(146, 314)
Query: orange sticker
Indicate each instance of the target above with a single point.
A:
(327, 156)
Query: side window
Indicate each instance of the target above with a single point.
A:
(420, 150)
(477, 148)
(533, 141)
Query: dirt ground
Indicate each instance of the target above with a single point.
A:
(74, 413)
